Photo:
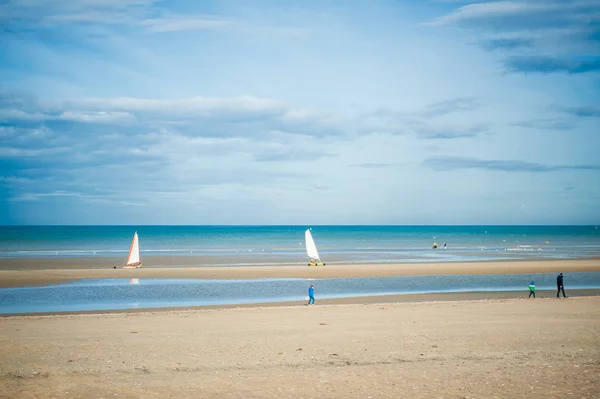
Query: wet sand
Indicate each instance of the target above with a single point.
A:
(515, 348)
(28, 272)
(359, 300)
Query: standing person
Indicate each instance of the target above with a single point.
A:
(531, 289)
(559, 286)
(311, 295)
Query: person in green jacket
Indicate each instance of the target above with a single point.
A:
(531, 289)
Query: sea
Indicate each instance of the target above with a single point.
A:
(251, 245)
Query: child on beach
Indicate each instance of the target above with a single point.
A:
(311, 295)
(531, 289)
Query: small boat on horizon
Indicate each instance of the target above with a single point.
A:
(133, 259)
(311, 250)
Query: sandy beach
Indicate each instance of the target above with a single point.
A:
(27, 272)
(513, 348)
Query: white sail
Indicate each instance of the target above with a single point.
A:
(311, 248)
(134, 251)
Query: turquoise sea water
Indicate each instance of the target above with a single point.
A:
(107, 294)
(285, 244)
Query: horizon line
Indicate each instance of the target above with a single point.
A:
(298, 225)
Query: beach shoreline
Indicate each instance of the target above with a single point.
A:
(38, 272)
(350, 300)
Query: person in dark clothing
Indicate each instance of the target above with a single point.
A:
(559, 286)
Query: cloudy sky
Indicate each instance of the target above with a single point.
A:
(312, 112)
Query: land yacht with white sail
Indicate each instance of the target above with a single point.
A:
(133, 259)
(311, 250)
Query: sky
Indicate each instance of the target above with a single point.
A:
(312, 112)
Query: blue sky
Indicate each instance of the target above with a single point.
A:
(313, 112)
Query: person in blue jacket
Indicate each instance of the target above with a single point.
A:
(311, 295)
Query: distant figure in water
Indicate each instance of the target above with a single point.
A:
(444, 245)
(434, 245)
(311, 295)
(559, 286)
(531, 289)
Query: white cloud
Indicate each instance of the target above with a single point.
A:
(446, 131)
(521, 14)
(542, 36)
(484, 10)
(81, 4)
(175, 23)
(98, 117)
(146, 14)
(75, 116)
(49, 13)
(16, 114)
(247, 116)
(11, 152)
(38, 196)
(104, 17)
(182, 107)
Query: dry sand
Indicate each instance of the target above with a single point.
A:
(23, 272)
(543, 348)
